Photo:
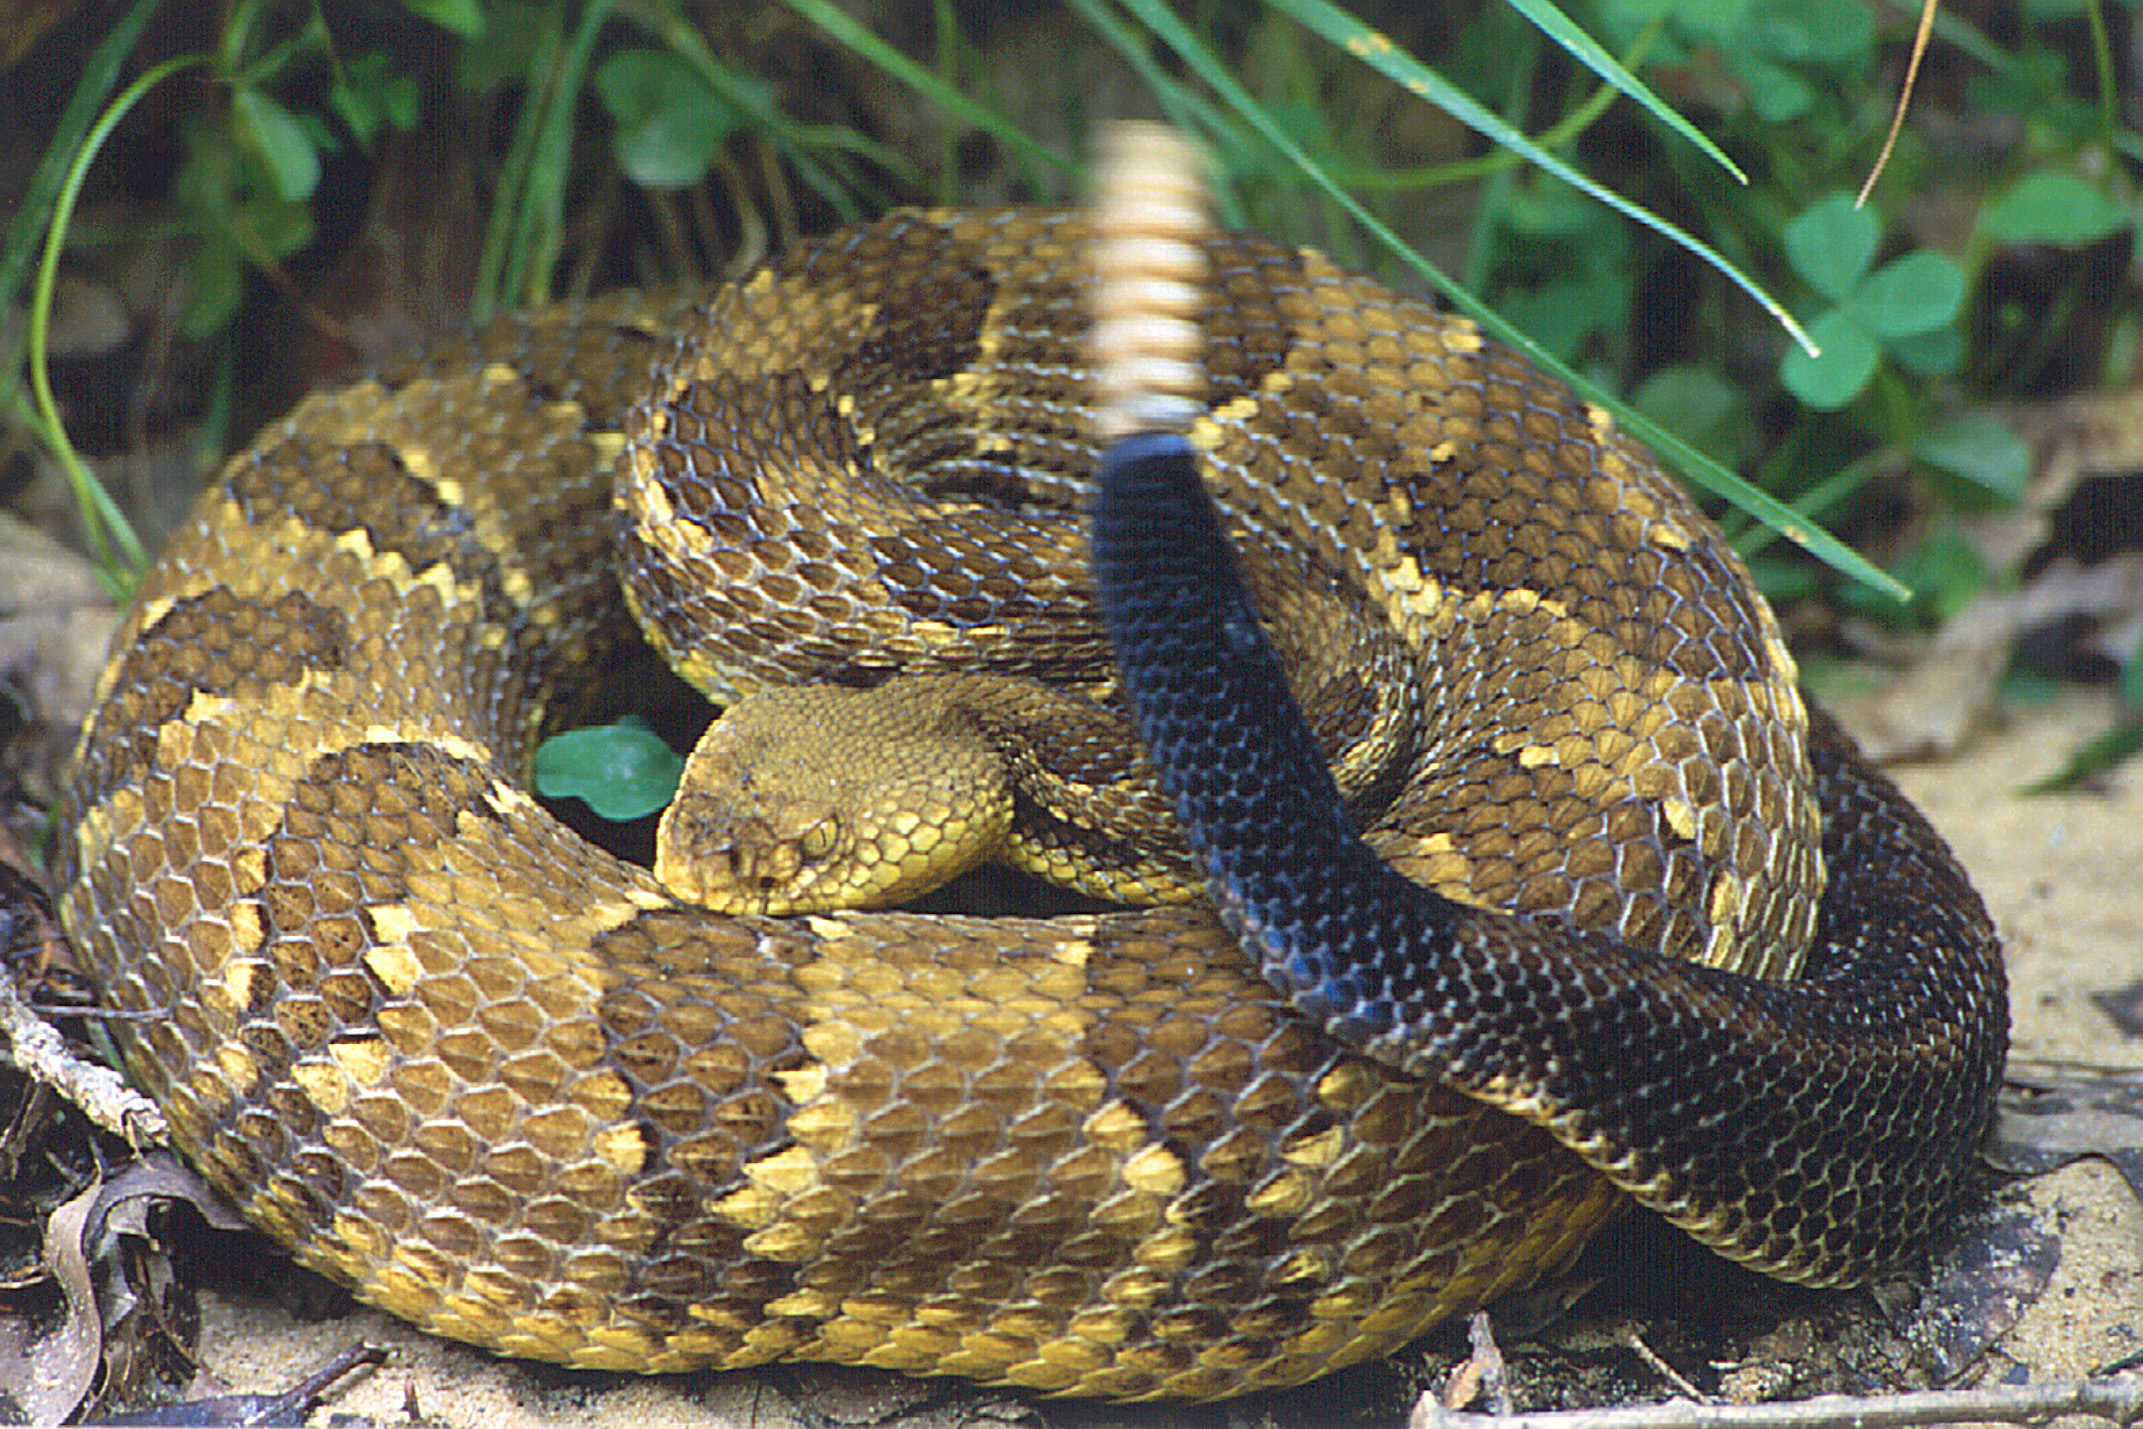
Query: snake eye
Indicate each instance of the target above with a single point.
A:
(818, 840)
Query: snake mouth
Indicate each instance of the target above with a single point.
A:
(709, 853)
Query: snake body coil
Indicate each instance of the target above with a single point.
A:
(509, 1088)
(1709, 1095)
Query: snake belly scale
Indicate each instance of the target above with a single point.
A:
(509, 1088)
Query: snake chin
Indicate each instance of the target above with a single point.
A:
(738, 863)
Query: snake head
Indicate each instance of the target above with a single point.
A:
(816, 798)
(713, 850)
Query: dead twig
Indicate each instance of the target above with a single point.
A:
(1659, 1366)
(2117, 1398)
(102, 1094)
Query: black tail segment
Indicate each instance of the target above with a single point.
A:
(1212, 707)
(1819, 1130)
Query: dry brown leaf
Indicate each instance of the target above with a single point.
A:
(115, 1285)
(1930, 708)
(156, 1177)
(2055, 1118)
(2071, 438)
(46, 1370)
(56, 621)
(1934, 704)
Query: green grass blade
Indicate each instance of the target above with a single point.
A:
(2093, 760)
(527, 212)
(29, 226)
(800, 144)
(1183, 106)
(1376, 50)
(497, 265)
(542, 207)
(1574, 122)
(1586, 51)
(106, 523)
(850, 32)
(1964, 35)
(1701, 469)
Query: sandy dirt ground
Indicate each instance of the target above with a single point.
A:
(2063, 875)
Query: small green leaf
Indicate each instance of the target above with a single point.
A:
(1776, 93)
(1908, 296)
(1849, 360)
(1830, 244)
(281, 227)
(2035, 86)
(1781, 581)
(622, 771)
(464, 17)
(1550, 208)
(508, 47)
(274, 133)
(2093, 759)
(1982, 449)
(669, 123)
(1620, 17)
(218, 276)
(1821, 32)
(1562, 314)
(1931, 354)
(399, 102)
(356, 110)
(1713, 19)
(319, 133)
(2053, 206)
(1944, 572)
(370, 92)
(1710, 412)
